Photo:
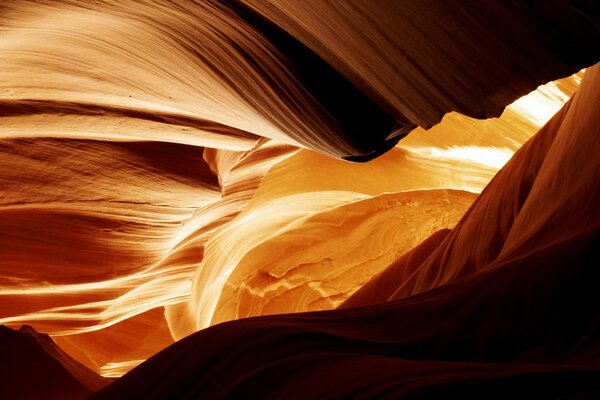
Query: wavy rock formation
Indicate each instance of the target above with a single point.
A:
(166, 166)
(555, 169)
(224, 73)
(512, 308)
(421, 60)
(85, 250)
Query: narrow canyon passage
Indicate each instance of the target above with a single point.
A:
(320, 199)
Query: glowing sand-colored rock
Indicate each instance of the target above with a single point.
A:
(153, 244)
(320, 260)
(513, 308)
(556, 170)
(132, 144)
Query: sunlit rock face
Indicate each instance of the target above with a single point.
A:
(505, 304)
(90, 243)
(168, 166)
(557, 182)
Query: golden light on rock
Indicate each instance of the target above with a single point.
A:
(301, 187)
